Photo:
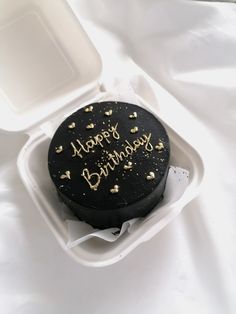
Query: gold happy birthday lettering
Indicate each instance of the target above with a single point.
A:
(94, 179)
(88, 146)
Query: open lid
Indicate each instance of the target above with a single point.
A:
(46, 60)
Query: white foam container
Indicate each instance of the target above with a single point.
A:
(50, 68)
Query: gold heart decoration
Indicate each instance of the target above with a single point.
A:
(66, 175)
(72, 125)
(108, 113)
(88, 109)
(115, 189)
(134, 130)
(59, 149)
(133, 115)
(90, 126)
(128, 166)
(159, 146)
(150, 176)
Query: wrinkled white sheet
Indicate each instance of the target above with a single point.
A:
(190, 266)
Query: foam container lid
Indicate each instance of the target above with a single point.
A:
(49, 68)
(46, 61)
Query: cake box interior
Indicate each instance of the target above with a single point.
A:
(48, 72)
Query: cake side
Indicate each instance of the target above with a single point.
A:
(114, 218)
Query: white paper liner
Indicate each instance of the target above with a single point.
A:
(78, 231)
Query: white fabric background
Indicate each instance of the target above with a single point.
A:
(189, 47)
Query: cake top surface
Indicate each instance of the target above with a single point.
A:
(108, 155)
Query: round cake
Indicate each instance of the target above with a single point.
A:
(109, 162)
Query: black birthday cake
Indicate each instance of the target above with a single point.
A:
(109, 162)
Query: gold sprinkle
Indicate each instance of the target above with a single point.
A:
(88, 109)
(133, 115)
(108, 113)
(159, 146)
(90, 126)
(72, 125)
(115, 189)
(150, 176)
(66, 175)
(134, 130)
(59, 149)
(128, 166)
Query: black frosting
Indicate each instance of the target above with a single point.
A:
(107, 194)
